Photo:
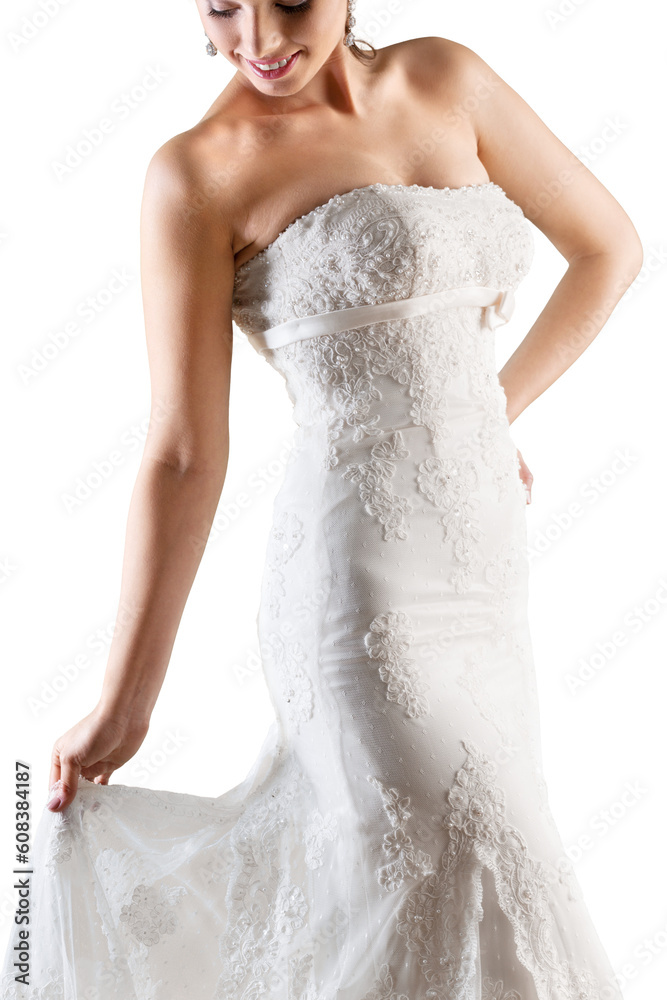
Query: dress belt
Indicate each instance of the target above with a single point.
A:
(499, 308)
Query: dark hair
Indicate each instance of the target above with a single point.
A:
(369, 53)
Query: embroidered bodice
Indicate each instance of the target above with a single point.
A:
(382, 243)
(382, 288)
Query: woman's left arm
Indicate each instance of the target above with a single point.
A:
(582, 219)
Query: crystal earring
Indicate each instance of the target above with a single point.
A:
(349, 37)
(210, 47)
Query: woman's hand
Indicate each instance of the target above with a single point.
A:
(526, 475)
(93, 748)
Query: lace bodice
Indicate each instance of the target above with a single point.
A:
(380, 243)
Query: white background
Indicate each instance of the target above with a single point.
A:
(592, 74)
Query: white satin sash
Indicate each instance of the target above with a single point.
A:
(499, 306)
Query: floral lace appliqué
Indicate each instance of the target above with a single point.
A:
(388, 641)
(54, 989)
(291, 908)
(438, 919)
(286, 537)
(150, 914)
(449, 484)
(320, 829)
(383, 987)
(502, 571)
(493, 989)
(404, 860)
(288, 658)
(499, 454)
(374, 478)
(266, 908)
(61, 841)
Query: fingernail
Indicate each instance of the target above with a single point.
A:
(55, 803)
(56, 787)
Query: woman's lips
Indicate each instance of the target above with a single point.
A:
(273, 74)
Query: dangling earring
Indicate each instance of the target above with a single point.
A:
(349, 37)
(210, 47)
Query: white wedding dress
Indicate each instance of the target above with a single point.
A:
(393, 839)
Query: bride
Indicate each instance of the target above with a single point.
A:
(353, 209)
(274, 145)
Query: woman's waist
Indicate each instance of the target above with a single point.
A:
(372, 449)
(373, 404)
(494, 307)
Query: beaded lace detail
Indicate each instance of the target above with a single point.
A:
(384, 242)
(388, 641)
(438, 918)
(374, 478)
(340, 198)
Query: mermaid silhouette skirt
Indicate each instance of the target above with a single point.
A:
(393, 839)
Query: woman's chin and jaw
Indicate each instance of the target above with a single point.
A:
(305, 67)
(306, 57)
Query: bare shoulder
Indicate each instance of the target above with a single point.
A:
(433, 59)
(181, 179)
(441, 74)
(521, 154)
(210, 176)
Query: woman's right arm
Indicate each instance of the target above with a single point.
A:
(187, 275)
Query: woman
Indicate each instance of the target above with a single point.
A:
(364, 217)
